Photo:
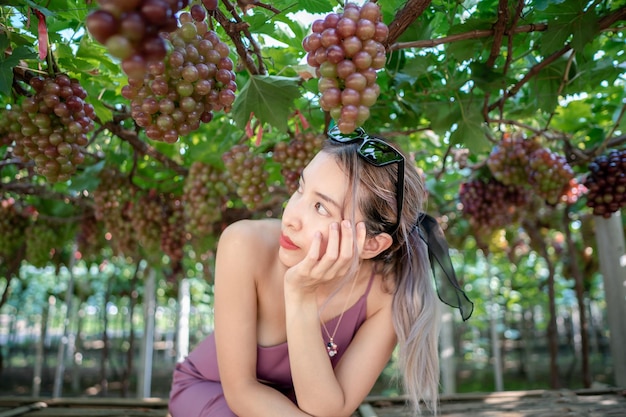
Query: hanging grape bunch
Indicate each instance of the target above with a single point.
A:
(524, 162)
(550, 175)
(346, 50)
(53, 126)
(8, 124)
(294, 155)
(42, 240)
(492, 205)
(509, 159)
(129, 29)
(205, 195)
(195, 80)
(247, 171)
(146, 215)
(173, 237)
(606, 183)
(13, 223)
(112, 203)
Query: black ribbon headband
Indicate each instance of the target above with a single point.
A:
(448, 288)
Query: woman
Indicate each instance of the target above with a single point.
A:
(309, 309)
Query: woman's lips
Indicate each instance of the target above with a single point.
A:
(286, 243)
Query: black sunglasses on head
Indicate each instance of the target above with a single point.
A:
(378, 153)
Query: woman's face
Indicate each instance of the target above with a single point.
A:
(319, 201)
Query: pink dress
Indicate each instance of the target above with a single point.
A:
(196, 388)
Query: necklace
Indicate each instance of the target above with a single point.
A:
(331, 346)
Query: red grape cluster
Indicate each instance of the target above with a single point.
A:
(195, 79)
(606, 183)
(550, 175)
(173, 238)
(90, 238)
(247, 171)
(146, 214)
(8, 124)
(346, 49)
(204, 194)
(295, 155)
(13, 223)
(129, 29)
(51, 126)
(492, 205)
(112, 204)
(524, 162)
(509, 159)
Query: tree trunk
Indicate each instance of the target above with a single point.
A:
(580, 297)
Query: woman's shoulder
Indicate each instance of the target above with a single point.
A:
(252, 236)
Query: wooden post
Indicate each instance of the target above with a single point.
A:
(144, 378)
(184, 310)
(57, 389)
(612, 256)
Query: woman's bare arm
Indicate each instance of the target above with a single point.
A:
(238, 259)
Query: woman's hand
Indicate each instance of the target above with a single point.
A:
(322, 266)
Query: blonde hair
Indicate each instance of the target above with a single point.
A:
(415, 306)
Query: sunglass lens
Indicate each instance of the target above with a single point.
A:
(379, 153)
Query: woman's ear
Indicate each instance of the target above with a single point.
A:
(375, 245)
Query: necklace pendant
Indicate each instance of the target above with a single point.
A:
(331, 347)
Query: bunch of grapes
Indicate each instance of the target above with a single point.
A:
(41, 242)
(509, 160)
(195, 80)
(173, 238)
(90, 238)
(112, 205)
(8, 117)
(13, 223)
(247, 170)
(204, 194)
(549, 174)
(53, 125)
(146, 214)
(346, 50)
(295, 155)
(524, 162)
(490, 204)
(606, 183)
(129, 29)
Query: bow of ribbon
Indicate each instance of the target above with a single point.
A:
(448, 287)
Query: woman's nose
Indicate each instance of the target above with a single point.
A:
(292, 213)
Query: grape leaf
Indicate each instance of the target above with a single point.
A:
(270, 98)
(7, 64)
(470, 131)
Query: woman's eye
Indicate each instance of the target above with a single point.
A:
(321, 209)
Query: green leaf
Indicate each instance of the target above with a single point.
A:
(486, 78)
(7, 64)
(42, 9)
(470, 131)
(270, 98)
(570, 19)
(311, 6)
